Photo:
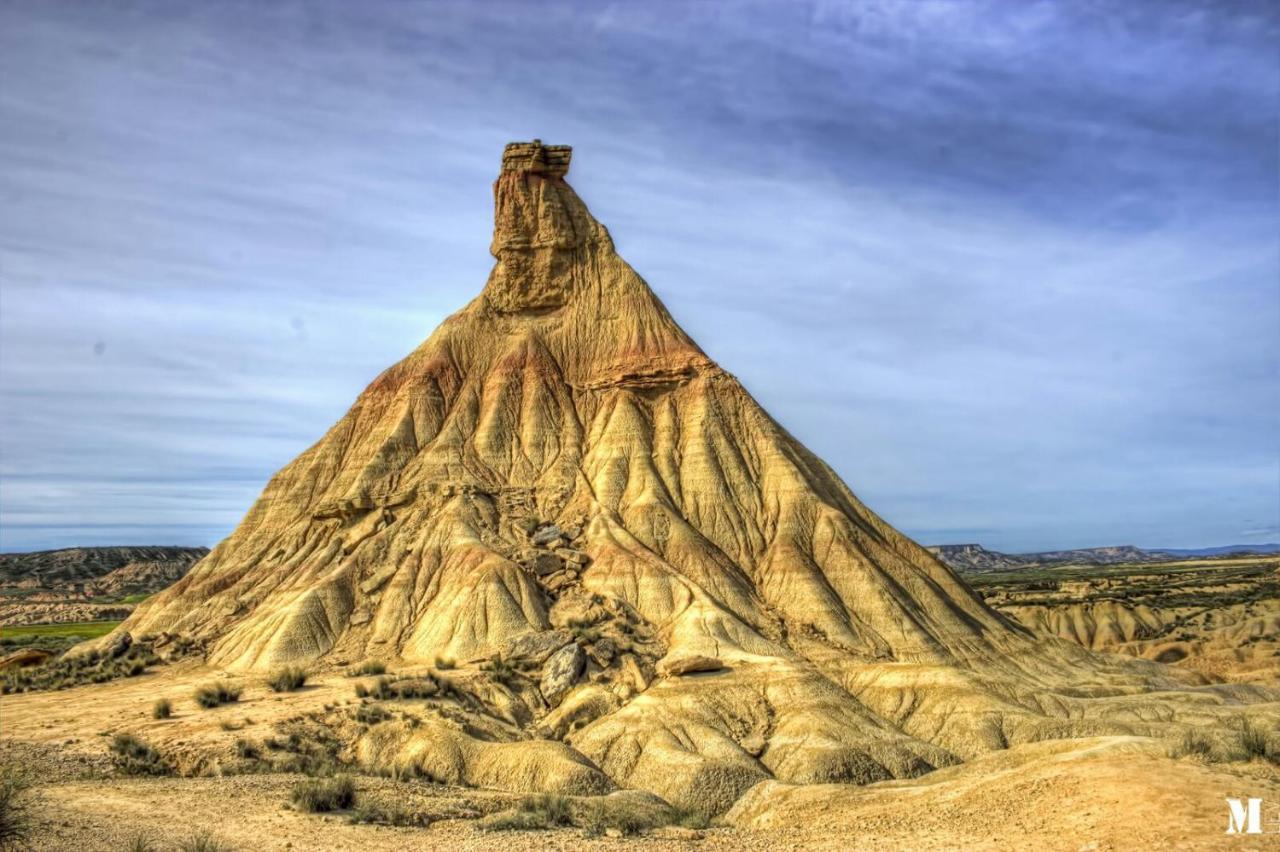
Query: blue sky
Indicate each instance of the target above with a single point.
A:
(1013, 268)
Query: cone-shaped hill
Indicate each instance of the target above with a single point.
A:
(669, 591)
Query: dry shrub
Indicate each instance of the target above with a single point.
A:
(132, 756)
(535, 813)
(368, 668)
(203, 841)
(215, 694)
(321, 795)
(287, 679)
(15, 809)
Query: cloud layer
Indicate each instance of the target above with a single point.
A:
(1011, 267)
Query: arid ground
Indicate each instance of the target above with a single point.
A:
(1097, 793)
(1108, 792)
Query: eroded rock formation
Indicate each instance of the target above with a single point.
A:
(561, 483)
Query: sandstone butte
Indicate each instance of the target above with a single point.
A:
(685, 600)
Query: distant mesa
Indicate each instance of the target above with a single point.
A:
(974, 558)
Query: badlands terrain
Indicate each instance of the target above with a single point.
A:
(1220, 617)
(86, 583)
(556, 579)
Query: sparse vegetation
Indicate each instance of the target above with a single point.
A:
(444, 664)
(1191, 744)
(499, 669)
(371, 714)
(390, 688)
(162, 709)
(595, 816)
(1249, 743)
(583, 634)
(368, 668)
(15, 809)
(322, 795)
(203, 842)
(600, 819)
(687, 818)
(141, 843)
(535, 813)
(1254, 744)
(378, 814)
(312, 750)
(91, 667)
(287, 679)
(216, 694)
(132, 756)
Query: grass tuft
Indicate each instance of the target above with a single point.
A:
(1254, 744)
(321, 795)
(389, 815)
(368, 668)
(132, 756)
(204, 842)
(215, 694)
(536, 813)
(371, 714)
(15, 809)
(1191, 744)
(162, 709)
(287, 679)
(499, 669)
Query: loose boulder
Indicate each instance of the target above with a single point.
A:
(562, 671)
(690, 665)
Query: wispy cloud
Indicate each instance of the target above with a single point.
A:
(1014, 263)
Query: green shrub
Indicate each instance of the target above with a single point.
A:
(215, 694)
(162, 709)
(287, 679)
(321, 795)
(15, 809)
(132, 756)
